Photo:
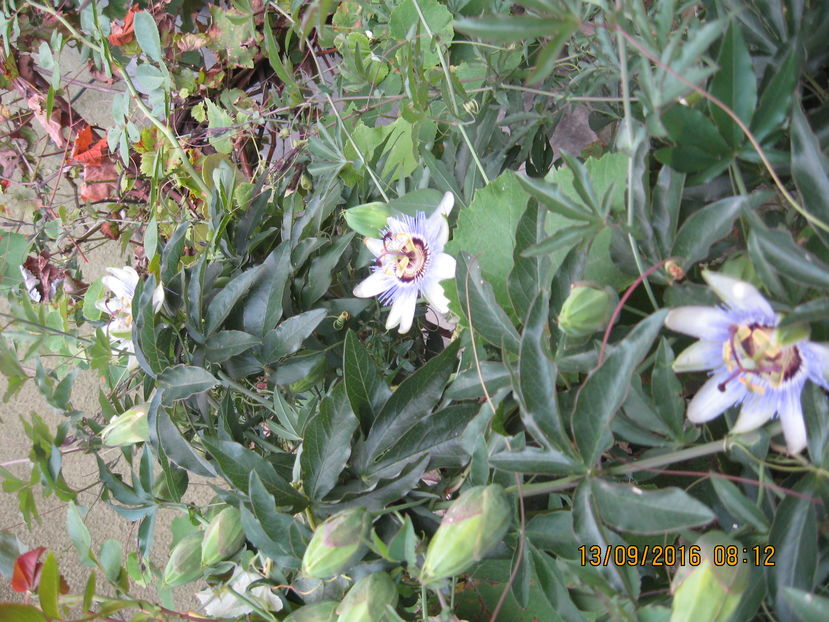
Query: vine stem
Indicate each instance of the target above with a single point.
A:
(623, 80)
(621, 303)
(455, 110)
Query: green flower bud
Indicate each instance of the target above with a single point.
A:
(337, 544)
(223, 536)
(367, 599)
(323, 611)
(586, 310)
(707, 591)
(128, 428)
(368, 219)
(185, 561)
(472, 526)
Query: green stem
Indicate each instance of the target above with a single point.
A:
(623, 78)
(450, 89)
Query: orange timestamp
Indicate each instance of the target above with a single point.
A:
(648, 555)
(671, 554)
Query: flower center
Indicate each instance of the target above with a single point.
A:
(405, 256)
(754, 350)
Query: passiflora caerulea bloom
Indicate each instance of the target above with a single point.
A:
(231, 600)
(122, 283)
(752, 361)
(410, 261)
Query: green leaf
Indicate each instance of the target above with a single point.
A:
(776, 100)
(467, 384)
(326, 444)
(47, 590)
(228, 343)
(699, 144)
(604, 391)
(13, 249)
(810, 170)
(415, 396)
(509, 28)
(228, 297)
(10, 549)
(287, 338)
(734, 84)
(93, 294)
(794, 537)
(738, 505)
(176, 447)
(78, 533)
(787, 258)
(547, 59)
(263, 306)
(812, 311)
(536, 378)
(322, 268)
(709, 224)
(172, 252)
(647, 512)
(10, 612)
(809, 607)
(364, 385)
(486, 230)
(666, 389)
(434, 435)
(529, 273)
(146, 33)
(181, 381)
(555, 199)
(368, 219)
(667, 199)
(536, 460)
(286, 538)
(480, 308)
(592, 533)
(144, 333)
(110, 559)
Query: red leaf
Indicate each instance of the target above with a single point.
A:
(27, 570)
(99, 182)
(86, 152)
(123, 34)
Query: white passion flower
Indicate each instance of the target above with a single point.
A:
(410, 262)
(231, 600)
(752, 362)
(122, 283)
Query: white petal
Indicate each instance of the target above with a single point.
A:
(791, 416)
(121, 281)
(434, 294)
(756, 410)
(375, 246)
(446, 204)
(737, 294)
(402, 311)
(443, 267)
(701, 356)
(375, 284)
(819, 359)
(158, 298)
(699, 322)
(710, 402)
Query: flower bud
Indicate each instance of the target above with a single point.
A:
(367, 599)
(472, 526)
(223, 536)
(337, 544)
(185, 561)
(707, 591)
(586, 310)
(127, 429)
(323, 611)
(367, 219)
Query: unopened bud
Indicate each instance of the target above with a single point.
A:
(185, 561)
(368, 219)
(368, 599)
(708, 591)
(586, 310)
(323, 611)
(127, 429)
(223, 536)
(337, 544)
(473, 525)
